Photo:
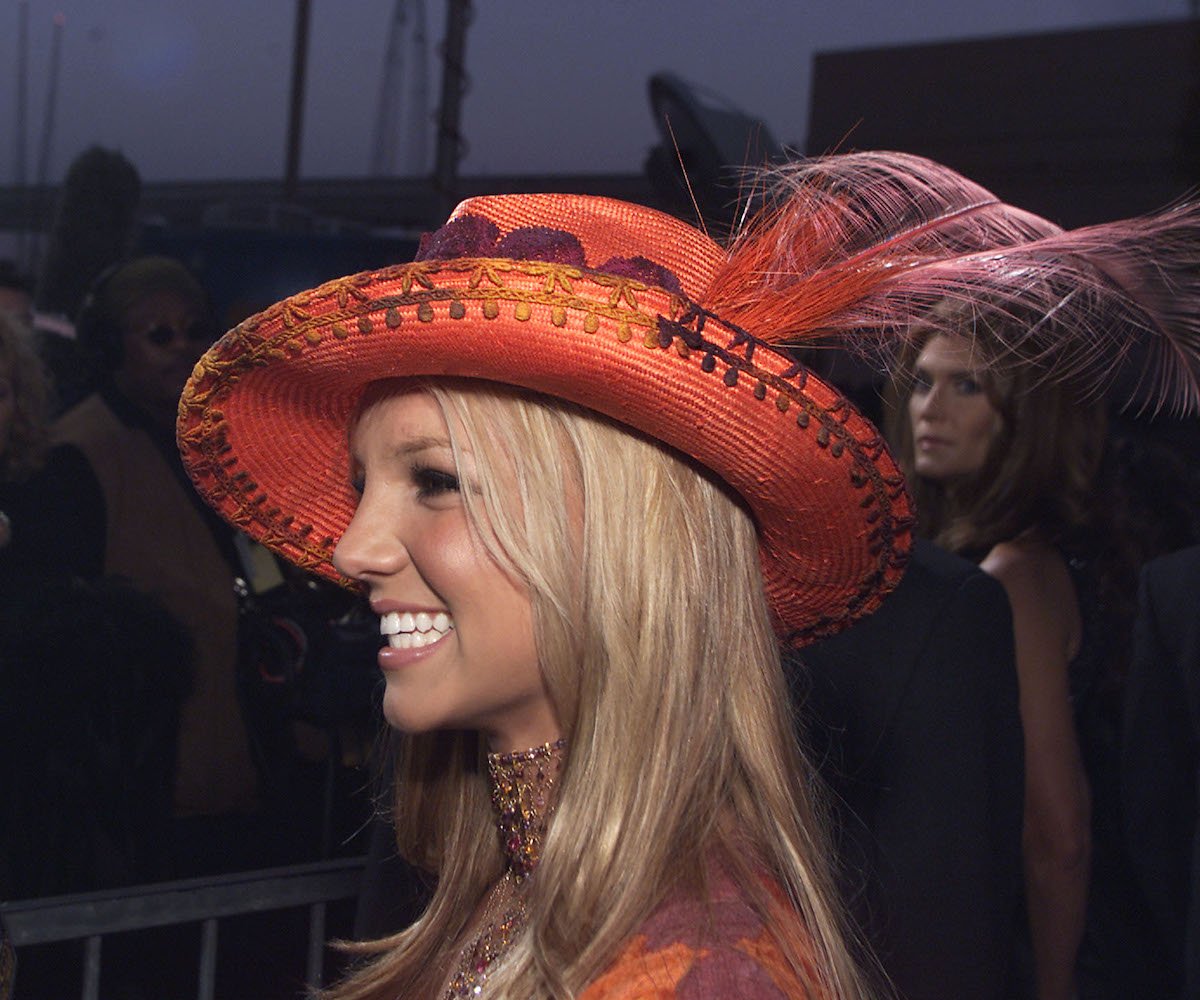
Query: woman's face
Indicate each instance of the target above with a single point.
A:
(953, 421)
(460, 650)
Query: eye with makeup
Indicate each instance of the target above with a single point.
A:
(433, 483)
(963, 384)
(430, 482)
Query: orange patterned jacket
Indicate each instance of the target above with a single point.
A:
(722, 950)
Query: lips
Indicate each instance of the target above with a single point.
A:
(413, 630)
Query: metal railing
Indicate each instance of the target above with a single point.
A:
(91, 916)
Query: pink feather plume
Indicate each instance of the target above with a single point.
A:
(860, 247)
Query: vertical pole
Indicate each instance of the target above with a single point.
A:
(22, 92)
(315, 969)
(296, 110)
(416, 153)
(449, 139)
(43, 169)
(91, 968)
(43, 166)
(207, 985)
(21, 129)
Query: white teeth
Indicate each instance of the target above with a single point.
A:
(406, 630)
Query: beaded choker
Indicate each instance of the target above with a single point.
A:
(523, 784)
(521, 787)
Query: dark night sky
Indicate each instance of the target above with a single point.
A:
(199, 89)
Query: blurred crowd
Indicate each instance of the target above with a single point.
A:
(165, 713)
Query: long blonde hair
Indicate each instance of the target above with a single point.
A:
(654, 638)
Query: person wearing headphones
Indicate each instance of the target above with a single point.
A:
(147, 321)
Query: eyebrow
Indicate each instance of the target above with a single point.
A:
(419, 444)
(406, 449)
(952, 372)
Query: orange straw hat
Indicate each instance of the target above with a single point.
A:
(585, 299)
(640, 317)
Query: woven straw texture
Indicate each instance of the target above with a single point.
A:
(263, 422)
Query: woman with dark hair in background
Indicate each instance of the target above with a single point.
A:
(1003, 477)
(1005, 462)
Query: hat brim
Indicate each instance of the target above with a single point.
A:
(264, 421)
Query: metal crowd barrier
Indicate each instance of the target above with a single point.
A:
(91, 916)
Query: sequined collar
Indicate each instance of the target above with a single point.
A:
(524, 784)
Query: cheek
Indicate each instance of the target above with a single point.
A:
(449, 560)
(138, 367)
(495, 601)
(460, 570)
(993, 422)
(132, 352)
(986, 424)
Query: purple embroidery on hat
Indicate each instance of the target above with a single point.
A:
(466, 236)
(475, 236)
(556, 246)
(641, 269)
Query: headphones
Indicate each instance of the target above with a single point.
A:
(96, 329)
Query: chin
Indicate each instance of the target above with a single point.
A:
(405, 720)
(928, 470)
(939, 474)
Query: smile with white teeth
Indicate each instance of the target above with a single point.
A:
(406, 630)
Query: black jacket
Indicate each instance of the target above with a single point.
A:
(912, 718)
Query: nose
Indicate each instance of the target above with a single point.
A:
(370, 548)
(928, 405)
